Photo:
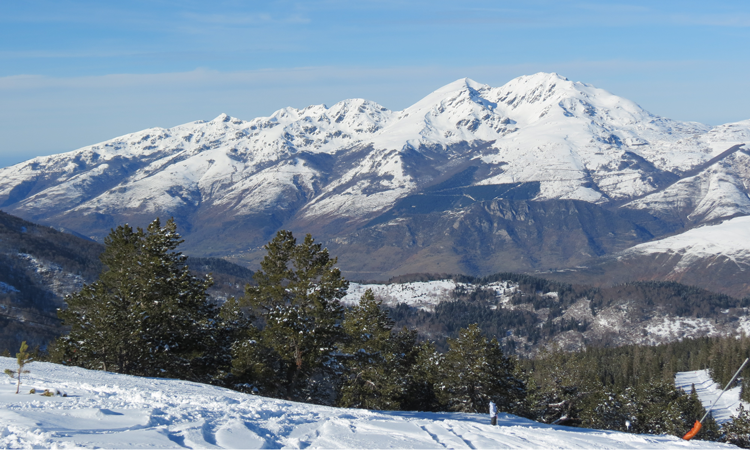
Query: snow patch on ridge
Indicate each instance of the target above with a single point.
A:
(420, 294)
(730, 239)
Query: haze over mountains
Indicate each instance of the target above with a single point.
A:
(539, 175)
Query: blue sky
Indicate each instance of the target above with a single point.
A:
(73, 73)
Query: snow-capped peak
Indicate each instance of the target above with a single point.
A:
(455, 86)
(357, 158)
(222, 118)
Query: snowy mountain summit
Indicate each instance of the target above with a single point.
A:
(334, 170)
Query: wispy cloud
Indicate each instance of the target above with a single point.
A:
(244, 19)
(738, 20)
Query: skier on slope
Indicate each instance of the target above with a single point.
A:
(493, 413)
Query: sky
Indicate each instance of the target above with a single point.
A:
(75, 73)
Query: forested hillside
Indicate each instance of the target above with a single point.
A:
(39, 266)
(527, 313)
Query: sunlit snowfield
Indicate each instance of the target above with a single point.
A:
(118, 411)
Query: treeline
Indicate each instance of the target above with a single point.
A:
(289, 337)
(610, 387)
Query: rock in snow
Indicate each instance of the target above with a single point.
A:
(118, 411)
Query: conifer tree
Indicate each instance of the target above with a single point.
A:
(146, 315)
(297, 298)
(737, 431)
(22, 358)
(380, 364)
(235, 333)
(605, 411)
(422, 376)
(475, 372)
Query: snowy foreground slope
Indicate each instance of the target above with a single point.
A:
(116, 411)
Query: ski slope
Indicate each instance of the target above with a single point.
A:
(107, 410)
(708, 391)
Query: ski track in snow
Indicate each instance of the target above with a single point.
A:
(708, 391)
(119, 411)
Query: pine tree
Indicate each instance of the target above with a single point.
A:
(235, 331)
(146, 315)
(424, 366)
(737, 431)
(475, 372)
(297, 299)
(381, 370)
(606, 413)
(562, 384)
(368, 383)
(22, 357)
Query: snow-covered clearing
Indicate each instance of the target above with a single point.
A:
(118, 411)
(426, 295)
(708, 391)
(419, 294)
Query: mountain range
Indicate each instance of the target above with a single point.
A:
(542, 175)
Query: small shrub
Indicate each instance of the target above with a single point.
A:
(23, 358)
(32, 391)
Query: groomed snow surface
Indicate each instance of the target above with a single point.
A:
(708, 391)
(105, 410)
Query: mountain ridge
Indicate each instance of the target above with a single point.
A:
(342, 171)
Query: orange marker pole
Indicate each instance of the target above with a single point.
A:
(693, 431)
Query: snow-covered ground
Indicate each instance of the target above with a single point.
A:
(105, 410)
(419, 294)
(708, 391)
(729, 239)
(425, 294)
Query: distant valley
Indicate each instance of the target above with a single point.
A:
(40, 265)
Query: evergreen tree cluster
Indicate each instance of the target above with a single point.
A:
(625, 389)
(289, 337)
(305, 346)
(146, 314)
(608, 388)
